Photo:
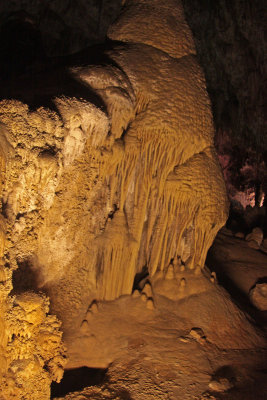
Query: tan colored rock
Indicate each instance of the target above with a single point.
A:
(32, 352)
(198, 335)
(147, 290)
(136, 293)
(213, 277)
(258, 296)
(158, 275)
(182, 283)
(253, 244)
(144, 297)
(84, 326)
(150, 304)
(240, 235)
(93, 195)
(177, 262)
(120, 189)
(220, 385)
(94, 308)
(170, 272)
(255, 236)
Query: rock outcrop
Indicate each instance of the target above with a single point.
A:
(258, 296)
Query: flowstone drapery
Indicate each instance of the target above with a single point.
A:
(92, 196)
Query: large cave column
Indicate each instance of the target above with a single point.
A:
(156, 100)
(97, 194)
(171, 135)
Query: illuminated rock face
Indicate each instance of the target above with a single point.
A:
(31, 351)
(32, 354)
(91, 198)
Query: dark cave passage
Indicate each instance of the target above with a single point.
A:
(78, 379)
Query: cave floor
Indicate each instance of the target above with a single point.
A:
(208, 345)
(233, 260)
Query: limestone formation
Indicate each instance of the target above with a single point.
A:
(92, 196)
(255, 238)
(198, 335)
(150, 304)
(258, 296)
(220, 385)
(32, 353)
(148, 160)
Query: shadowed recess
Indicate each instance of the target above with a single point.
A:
(78, 379)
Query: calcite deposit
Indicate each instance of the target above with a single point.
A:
(32, 354)
(91, 197)
(94, 197)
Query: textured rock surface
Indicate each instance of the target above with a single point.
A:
(256, 235)
(241, 268)
(32, 353)
(97, 196)
(230, 44)
(258, 296)
(91, 198)
(171, 351)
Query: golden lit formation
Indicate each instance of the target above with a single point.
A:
(94, 196)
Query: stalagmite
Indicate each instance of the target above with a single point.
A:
(147, 289)
(150, 304)
(182, 283)
(92, 196)
(136, 293)
(170, 272)
(144, 297)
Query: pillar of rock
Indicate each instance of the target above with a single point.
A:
(92, 196)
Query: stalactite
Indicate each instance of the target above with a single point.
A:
(92, 195)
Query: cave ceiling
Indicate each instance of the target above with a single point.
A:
(229, 36)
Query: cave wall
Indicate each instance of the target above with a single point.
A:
(65, 26)
(231, 47)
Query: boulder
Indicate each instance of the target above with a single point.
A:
(256, 235)
(258, 296)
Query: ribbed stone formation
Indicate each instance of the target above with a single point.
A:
(94, 197)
